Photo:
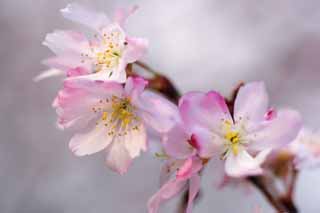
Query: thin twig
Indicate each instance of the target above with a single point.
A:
(258, 183)
(160, 83)
(146, 67)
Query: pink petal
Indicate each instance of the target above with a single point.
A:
(270, 114)
(118, 158)
(61, 42)
(77, 72)
(185, 170)
(176, 144)
(75, 101)
(251, 102)
(135, 86)
(135, 49)
(121, 15)
(157, 112)
(194, 187)
(77, 13)
(65, 62)
(206, 110)
(190, 167)
(278, 132)
(243, 164)
(135, 141)
(207, 142)
(167, 191)
(95, 88)
(91, 142)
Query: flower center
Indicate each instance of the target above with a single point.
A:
(122, 110)
(106, 53)
(119, 118)
(232, 139)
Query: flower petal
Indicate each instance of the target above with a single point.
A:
(66, 41)
(206, 110)
(95, 88)
(157, 111)
(75, 101)
(251, 102)
(77, 13)
(277, 132)
(167, 191)
(77, 72)
(91, 142)
(189, 167)
(194, 187)
(136, 140)
(121, 15)
(175, 143)
(65, 62)
(105, 75)
(136, 49)
(243, 164)
(48, 74)
(207, 143)
(118, 158)
(134, 87)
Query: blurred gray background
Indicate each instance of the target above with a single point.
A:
(201, 45)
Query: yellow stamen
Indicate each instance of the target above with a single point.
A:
(233, 138)
(104, 116)
(123, 111)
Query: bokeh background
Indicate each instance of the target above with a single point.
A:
(201, 45)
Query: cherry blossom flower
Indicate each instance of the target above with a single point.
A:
(186, 178)
(245, 139)
(108, 116)
(180, 171)
(306, 149)
(103, 57)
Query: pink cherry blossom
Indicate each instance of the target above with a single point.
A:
(244, 139)
(180, 171)
(306, 149)
(185, 177)
(103, 57)
(108, 116)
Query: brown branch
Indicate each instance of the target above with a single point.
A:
(160, 83)
(258, 182)
(146, 67)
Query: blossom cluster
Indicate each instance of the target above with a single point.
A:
(109, 108)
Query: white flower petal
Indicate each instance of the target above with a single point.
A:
(77, 13)
(91, 142)
(49, 73)
(135, 141)
(243, 164)
(118, 158)
(278, 132)
(66, 41)
(251, 102)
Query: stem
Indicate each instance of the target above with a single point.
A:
(146, 67)
(184, 202)
(259, 184)
(281, 204)
(293, 181)
(287, 200)
(161, 83)
(289, 205)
